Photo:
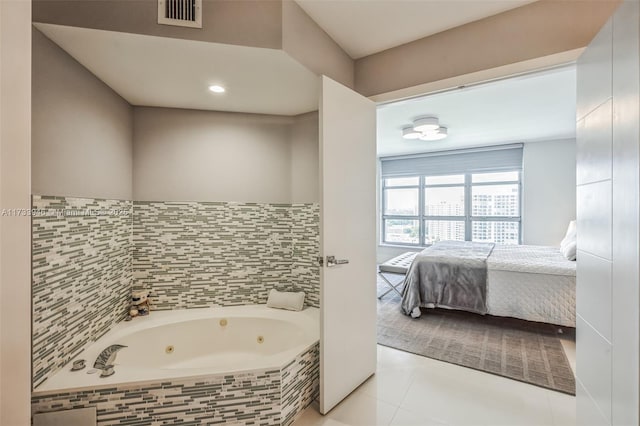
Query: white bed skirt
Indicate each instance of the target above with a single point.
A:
(533, 283)
(533, 297)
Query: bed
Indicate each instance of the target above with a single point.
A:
(533, 283)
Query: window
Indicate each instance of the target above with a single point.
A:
(495, 207)
(421, 210)
(468, 194)
(401, 210)
(444, 208)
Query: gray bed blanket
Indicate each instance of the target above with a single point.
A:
(449, 274)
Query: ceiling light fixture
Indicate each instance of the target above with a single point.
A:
(217, 89)
(434, 135)
(426, 129)
(410, 133)
(425, 124)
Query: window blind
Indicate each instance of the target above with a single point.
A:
(474, 160)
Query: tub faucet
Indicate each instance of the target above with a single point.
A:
(106, 359)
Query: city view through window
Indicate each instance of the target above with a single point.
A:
(424, 210)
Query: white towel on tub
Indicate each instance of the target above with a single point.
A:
(293, 301)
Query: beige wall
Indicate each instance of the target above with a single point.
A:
(254, 23)
(83, 145)
(305, 159)
(549, 191)
(189, 155)
(82, 130)
(544, 28)
(538, 29)
(15, 244)
(307, 43)
(273, 24)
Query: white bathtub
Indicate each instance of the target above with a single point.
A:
(194, 342)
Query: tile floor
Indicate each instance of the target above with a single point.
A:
(413, 390)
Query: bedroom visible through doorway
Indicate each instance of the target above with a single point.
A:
(487, 217)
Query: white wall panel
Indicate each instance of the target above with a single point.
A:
(594, 215)
(588, 413)
(594, 350)
(594, 218)
(594, 292)
(626, 137)
(594, 156)
(608, 222)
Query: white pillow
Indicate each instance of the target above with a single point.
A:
(570, 236)
(572, 239)
(293, 301)
(569, 250)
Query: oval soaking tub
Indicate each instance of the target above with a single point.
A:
(227, 363)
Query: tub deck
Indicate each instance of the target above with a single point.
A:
(274, 391)
(132, 367)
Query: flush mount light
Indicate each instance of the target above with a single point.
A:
(424, 124)
(409, 133)
(426, 129)
(217, 89)
(435, 135)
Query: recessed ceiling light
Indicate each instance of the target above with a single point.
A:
(217, 89)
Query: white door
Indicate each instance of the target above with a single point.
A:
(347, 231)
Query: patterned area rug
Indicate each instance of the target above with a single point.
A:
(526, 351)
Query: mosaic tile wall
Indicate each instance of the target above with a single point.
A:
(197, 254)
(300, 384)
(256, 398)
(305, 248)
(190, 255)
(82, 277)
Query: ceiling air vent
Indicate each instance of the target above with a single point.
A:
(181, 13)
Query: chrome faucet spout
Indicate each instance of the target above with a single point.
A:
(105, 360)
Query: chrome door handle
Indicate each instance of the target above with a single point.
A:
(332, 261)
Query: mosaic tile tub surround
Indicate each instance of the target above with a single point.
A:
(199, 254)
(82, 276)
(269, 397)
(305, 249)
(189, 254)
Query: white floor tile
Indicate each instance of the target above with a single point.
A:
(563, 409)
(388, 384)
(444, 396)
(462, 396)
(414, 390)
(393, 358)
(360, 409)
(408, 418)
(311, 417)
